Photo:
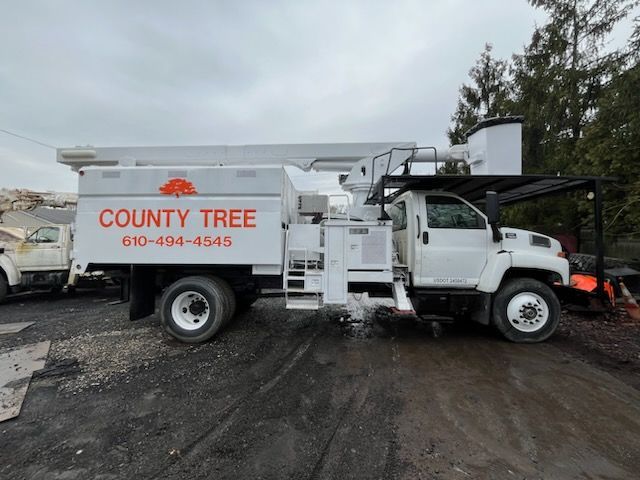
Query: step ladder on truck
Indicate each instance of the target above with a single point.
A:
(216, 226)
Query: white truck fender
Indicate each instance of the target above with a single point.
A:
(548, 263)
(10, 269)
(497, 265)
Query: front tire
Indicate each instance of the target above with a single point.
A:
(526, 310)
(193, 309)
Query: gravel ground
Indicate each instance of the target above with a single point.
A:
(610, 341)
(327, 394)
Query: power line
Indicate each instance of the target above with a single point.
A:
(27, 138)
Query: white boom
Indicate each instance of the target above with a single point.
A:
(365, 162)
(320, 157)
(492, 147)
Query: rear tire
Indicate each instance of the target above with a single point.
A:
(4, 288)
(229, 297)
(526, 310)
(193, 309)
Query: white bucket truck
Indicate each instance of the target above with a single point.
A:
(214, 226)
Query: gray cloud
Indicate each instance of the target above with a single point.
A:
(178, 73)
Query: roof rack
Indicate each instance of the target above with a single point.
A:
(510, 188)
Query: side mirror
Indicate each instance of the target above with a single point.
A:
(493, 215)
(493, 208)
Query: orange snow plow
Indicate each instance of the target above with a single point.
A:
(589, 283)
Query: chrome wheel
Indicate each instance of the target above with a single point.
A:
(527, 312)
(190, 310)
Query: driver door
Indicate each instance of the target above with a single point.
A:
(41, 251)
(453, 242)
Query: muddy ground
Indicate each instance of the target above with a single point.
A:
(311, 395)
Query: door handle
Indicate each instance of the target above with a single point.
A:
(425, 237)
(418, 219)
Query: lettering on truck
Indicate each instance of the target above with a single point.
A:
(210, 218)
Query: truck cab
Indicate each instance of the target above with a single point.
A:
(42, 260)
(441, 238)
(459, 261)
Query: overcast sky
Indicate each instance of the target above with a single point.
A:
(235, 72)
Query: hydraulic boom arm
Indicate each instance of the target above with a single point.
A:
(365, 163)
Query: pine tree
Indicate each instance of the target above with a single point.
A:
(580, 103)
(559, 77)
(634, 41)
(611, 146)
(487, 96)
(558, 82)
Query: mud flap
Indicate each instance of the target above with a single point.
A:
(403, 305)
(482, 312)
(142, 295)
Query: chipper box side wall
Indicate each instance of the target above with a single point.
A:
(188, 216)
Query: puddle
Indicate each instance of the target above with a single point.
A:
(365, 317)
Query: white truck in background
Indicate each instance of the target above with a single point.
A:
(43, 258)
(215, 226)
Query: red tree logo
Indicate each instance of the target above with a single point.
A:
(177, 187)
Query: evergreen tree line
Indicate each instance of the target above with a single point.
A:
(581, 103)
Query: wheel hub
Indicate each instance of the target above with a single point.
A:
(197, 307)
(190, 310)
(528, 312)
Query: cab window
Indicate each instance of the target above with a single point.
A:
(46, 235)
(398, 213)
(451, 212)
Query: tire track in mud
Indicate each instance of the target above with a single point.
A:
(230, 414)
(356, 411)
(357, 398)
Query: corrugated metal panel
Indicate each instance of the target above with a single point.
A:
(23, 220)
(38, 217)
(55, 215)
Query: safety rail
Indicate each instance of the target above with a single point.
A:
(306, 260)
(338, 195)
